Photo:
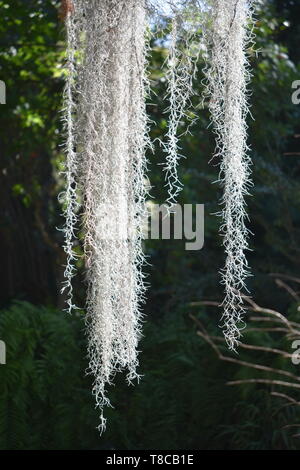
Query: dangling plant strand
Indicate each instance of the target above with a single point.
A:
(69, 197)
(112, 134)
(181, 70)
(228, 76)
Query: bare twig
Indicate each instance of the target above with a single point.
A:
(286, 276)
(288, 289)
(265, 381)
(210, 341)
(278, 324)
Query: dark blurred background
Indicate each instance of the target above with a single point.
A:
(184, 400)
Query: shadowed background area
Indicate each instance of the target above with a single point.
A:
(184, 400)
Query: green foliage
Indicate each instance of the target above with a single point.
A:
(31, 65)
(182, 402)
(45, 400)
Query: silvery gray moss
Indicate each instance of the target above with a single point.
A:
(107, 135)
